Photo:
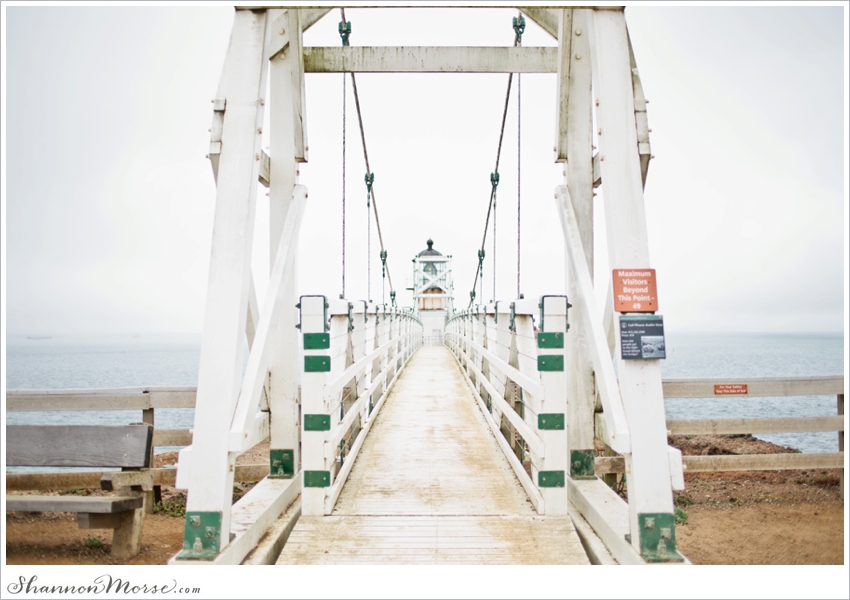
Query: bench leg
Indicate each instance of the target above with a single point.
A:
(126, 526)
(127, 538)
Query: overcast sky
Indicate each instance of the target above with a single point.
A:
(108, 197)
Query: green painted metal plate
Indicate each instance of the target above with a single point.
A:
(317, 422)
(550, 421)
(281, 464)
(317, 341)
(551, 479)
(658, 537)
(582, 464)
(318, 479)
(550, 362)
(553, 339)
(201, 535)
(317, 364)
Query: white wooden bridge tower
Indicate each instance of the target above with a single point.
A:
(312, 389)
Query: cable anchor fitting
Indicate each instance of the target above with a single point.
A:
(369, 178)
(345, 31)
(384, 262)
(519, 27)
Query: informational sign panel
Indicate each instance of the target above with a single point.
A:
(642, 337)
(635, 290)
(730, 389)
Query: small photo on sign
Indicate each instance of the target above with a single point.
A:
(642, 337)
(652, 346)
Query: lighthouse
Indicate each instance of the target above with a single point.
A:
(432, 292)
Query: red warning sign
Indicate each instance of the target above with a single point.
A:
(730, 389)
(635, 291)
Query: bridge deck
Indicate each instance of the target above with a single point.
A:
(431, 486)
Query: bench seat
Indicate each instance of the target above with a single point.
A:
(84, 504)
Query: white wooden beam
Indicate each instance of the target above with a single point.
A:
(755, 386)
(641, 122)
(547, 18)
(564, 33)
(258, 360)
(279, 38)
(640, 380)
(295, 50)
(242, 84)
(434, 59)
(606, 380)
(576, 140)
(283, 360)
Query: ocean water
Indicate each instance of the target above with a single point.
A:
(63, 362)
(757, 355)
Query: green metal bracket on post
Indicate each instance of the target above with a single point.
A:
(551, 479)
(201, 535)
(552, 339)
(317, 364)
(550, 362)
(318, 479)
(658, 537)
(582, 464)
(317, 422)
(550, 421)
(281, 464)
(317, 341)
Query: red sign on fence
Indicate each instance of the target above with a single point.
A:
(730, 389)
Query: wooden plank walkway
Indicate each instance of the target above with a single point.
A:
(431, 486)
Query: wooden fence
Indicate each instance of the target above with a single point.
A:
(741, 389)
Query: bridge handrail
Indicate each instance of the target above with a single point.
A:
(530, 436)
(325, 462)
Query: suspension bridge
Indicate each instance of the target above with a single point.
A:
(430, 433)
(451, 431)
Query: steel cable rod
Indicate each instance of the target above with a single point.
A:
(368, 169)
(493, 188)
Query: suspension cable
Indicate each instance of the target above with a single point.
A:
(369, 178)
(368, 169)
(342, 295)
(519, 27)
(344, 32)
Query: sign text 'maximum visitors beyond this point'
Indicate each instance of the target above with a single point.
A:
(635, 290)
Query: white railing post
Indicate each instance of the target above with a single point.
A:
(521, 321)
(315, 420)
(363, 342)
(499, 343)
(552, 408)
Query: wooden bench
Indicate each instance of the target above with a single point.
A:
(113, 446)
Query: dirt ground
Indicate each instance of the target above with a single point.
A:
(756, 517)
